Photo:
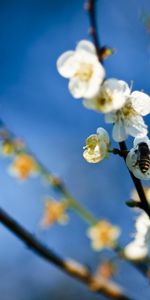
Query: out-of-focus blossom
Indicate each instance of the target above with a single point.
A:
(103, 235)
(145, 18)
(83, 68)
(105, 52)
(138, 159)
(106, 269)
(7, 148)
(23, 166)
(128, 120)
(97, 146)
(138, 249)
(112, 96)
(135, 250)
(54, 212)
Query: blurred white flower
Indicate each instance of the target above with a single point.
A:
(23, 166)
(103, 235)
(138, 159)
(97, 146)
(111, 96)
(139, 247)
(128, 120)
(135, 251)
(83, 68)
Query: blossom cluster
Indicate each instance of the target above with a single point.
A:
(121, 106)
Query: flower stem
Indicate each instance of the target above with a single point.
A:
(82, 211)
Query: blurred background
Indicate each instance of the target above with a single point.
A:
(36, 105)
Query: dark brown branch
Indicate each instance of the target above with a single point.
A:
(144, 203)
(122, 153)
(93, 31)
(70, 267)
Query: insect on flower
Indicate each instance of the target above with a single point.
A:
(138, 158)
(143, 157)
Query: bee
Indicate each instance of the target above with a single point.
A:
(143, 157)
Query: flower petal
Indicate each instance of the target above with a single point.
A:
(86, 46)
(131, 159)
(95, 81)
(103, 135)
(93, 157)
(114, 84)
(110, 117)
(140, 102)
(134, 252)
(115, 93)
(66, 64)
(138, 140)
(143, 176)
(142, 224)
(77, 87)
(135, 126)
(119, 134)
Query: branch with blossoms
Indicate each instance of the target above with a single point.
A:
(122, 108)
(96, 283)
(25, 164)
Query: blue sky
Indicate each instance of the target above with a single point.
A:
(36, 105)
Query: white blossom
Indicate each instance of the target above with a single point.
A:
(128, 120)
(111, 96)
(135, 251)
(83, 68)
(133, 159)
(138, 249)
(103, 235)
(97, 146)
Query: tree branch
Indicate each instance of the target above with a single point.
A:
(144, 203)
(72, 268)
(91, 8)
(56, 183)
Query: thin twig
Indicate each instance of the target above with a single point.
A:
(72, 268)
(90, 7)
(122, 153)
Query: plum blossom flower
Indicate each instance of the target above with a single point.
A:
(128, 119)
(133, 159)
(23, 166)
(138, 249)
(83, 68)
(54, 212)
(97, 146)
(103, 235)
(111, 96)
